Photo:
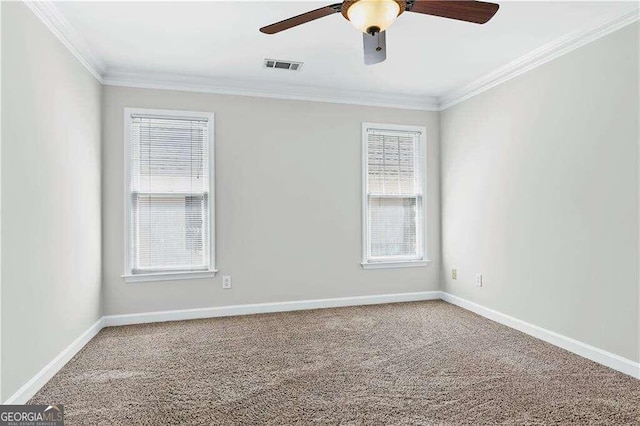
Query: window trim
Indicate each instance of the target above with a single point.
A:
(128, 276)
(387, 262)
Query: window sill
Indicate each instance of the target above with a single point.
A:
(169, 276)
(398, 264)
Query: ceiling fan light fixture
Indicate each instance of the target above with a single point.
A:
(373, 16)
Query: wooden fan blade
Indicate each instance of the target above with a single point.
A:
(477, 12)
(301, 19)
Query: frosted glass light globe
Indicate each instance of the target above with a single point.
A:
(373, 16)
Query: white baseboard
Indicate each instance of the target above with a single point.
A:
(43, 376)
(600, 356)
(261, 308)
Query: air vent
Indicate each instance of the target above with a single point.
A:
(282, 65)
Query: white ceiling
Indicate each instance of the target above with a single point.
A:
(426, 56)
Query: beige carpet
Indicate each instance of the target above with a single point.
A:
(409, 363)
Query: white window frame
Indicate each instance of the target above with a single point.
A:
(421, 241)
(169, 275)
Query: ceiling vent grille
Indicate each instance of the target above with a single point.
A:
(282, 65)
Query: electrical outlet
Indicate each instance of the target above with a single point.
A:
(478, 280)
(454, 274)
(226, 282)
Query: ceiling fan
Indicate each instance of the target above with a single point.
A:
(373, 17)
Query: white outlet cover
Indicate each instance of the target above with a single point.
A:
(478, 280)
(226, 282)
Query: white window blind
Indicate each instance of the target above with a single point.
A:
(169, 193)
(394, 194)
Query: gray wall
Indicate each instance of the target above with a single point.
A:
(50, 197)
(540, 194)
(288, 203)
(539, 180)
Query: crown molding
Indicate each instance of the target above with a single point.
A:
(267, 90)
(53, 19)
(540, 56)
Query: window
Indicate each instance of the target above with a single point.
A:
(169, 195)
(393, 198)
